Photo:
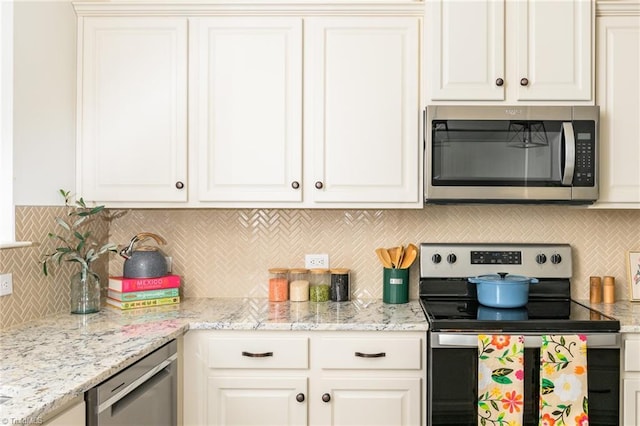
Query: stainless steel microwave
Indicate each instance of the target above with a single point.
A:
(511, 154)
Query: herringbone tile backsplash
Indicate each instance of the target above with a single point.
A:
(226, 253)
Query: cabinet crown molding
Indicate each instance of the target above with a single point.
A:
(249, 7)
(618, 8)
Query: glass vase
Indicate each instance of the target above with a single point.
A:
(85, 293)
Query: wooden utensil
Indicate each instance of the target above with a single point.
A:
(393, 255)
(410, 254)
(384, 257)
(400, 256)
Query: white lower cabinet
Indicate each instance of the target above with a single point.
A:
(72, 415)
(300, 378)
(631, 380)
(255, 400)
(361, 401)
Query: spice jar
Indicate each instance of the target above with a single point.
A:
(595, 290)
(298, 285)
(340, 288)
(278, 285)
(319, 287)
(609, 290)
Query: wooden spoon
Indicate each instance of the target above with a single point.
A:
(410, 255)
(401, 253)
(393, 255)
(384, 257)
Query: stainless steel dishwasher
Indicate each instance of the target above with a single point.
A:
(144, 393)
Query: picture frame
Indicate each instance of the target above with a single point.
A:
(633, 274)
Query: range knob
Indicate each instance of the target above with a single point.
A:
(451, 258)
(436, 258)
(541, 258)
(556, 258)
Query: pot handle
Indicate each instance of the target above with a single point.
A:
(126, 252)
(534, 281)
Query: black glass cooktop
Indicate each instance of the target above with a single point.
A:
(537, 315)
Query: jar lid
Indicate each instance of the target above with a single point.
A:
(298, 271)
(278, 270)
(319, 271)
(340, 271)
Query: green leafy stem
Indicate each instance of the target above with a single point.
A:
(559, 361)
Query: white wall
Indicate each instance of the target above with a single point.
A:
(44, 101)
(6, 123)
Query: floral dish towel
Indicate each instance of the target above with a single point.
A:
(500, 380)
(563, 381)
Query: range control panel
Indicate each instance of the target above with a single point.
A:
(455, 260)
(485, 257)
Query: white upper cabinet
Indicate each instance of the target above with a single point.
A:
(362, 109)
(247, 100)
(618, 95)
(132, 123)
(509, 50)
(465, 57)
(299, 105)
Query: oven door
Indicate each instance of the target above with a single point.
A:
(452, 391)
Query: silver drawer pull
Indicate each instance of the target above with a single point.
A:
(261, 355)
(378, 355)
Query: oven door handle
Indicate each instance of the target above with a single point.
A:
(567, 134)
(459, 340)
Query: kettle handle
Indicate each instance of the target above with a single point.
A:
(126, 252)
(141, 236)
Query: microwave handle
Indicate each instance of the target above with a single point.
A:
(568, 136)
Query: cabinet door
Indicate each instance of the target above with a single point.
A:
(554, 50)
(257, 401)
(619, 100)
(631, 402)
(71, 416)
(349, 401)
(362, 110)
(247, 109)
(132, 143)
(465, 50)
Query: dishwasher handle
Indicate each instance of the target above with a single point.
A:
(137, 383)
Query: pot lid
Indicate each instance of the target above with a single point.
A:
(503, 277)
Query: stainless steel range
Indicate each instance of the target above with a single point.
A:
(456, 319)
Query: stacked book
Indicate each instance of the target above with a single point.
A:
(131, 293)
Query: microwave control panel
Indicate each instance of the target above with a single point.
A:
(585, 167)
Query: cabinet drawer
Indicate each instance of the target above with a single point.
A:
(371, 353)
(631, 358)
(268, 352)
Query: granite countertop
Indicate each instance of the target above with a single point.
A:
(628, 313)
(49, 362)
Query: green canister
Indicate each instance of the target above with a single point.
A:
(395, 285)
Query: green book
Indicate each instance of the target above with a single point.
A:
(142, 295)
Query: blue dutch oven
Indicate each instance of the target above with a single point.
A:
(503, 290)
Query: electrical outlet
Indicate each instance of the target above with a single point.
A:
(312, 261)
(6, 284)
